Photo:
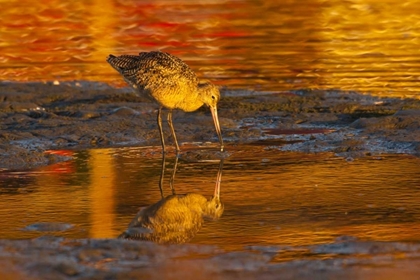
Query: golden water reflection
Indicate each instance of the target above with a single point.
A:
(175, 218)
(270, 198)
(101, 194)
(363, 45)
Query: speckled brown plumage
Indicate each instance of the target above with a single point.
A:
(175, 218)
(170, 82)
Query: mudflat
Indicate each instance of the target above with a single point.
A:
(40, 117)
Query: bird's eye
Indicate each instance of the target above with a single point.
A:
(213, 97)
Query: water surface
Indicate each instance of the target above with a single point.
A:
(362, 45)
(270, 197)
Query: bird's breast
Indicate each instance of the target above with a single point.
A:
(177, 98)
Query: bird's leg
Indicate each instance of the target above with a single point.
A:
(162, 175)
(218, 179)
(173, 131)
(159, 121)
(171, 182)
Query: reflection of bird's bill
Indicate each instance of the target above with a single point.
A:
(217, 125)
(218, 181)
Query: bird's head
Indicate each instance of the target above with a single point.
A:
(209, 94)
(214, 209)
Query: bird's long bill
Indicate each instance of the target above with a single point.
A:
(217, 125)
(218, 180)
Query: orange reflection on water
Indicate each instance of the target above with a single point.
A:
(361, 45)
(372, 44)
(270, 198)
(102, 194)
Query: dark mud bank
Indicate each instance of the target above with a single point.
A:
(40, 117)
(59, 258)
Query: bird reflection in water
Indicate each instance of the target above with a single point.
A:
(176, 218)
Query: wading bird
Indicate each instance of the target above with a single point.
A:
(167, 80)
(176, 218)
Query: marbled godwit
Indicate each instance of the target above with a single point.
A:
(169, 81)
(175, 218)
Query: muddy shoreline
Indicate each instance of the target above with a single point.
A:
(40, 117)
(60, 258)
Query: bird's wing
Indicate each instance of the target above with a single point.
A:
(152, 70)
(126, 65)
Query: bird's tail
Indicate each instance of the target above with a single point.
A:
(122, 62)
(124, 235)
(133, 236)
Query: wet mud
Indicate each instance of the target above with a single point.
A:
(128, 259)
(38, 118)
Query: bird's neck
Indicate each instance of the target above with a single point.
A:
(191, 102)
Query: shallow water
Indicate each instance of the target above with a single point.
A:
(367, 46)
(270, 197)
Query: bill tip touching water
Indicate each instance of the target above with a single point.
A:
(171, 83)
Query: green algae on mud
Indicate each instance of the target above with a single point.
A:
(37, 117)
